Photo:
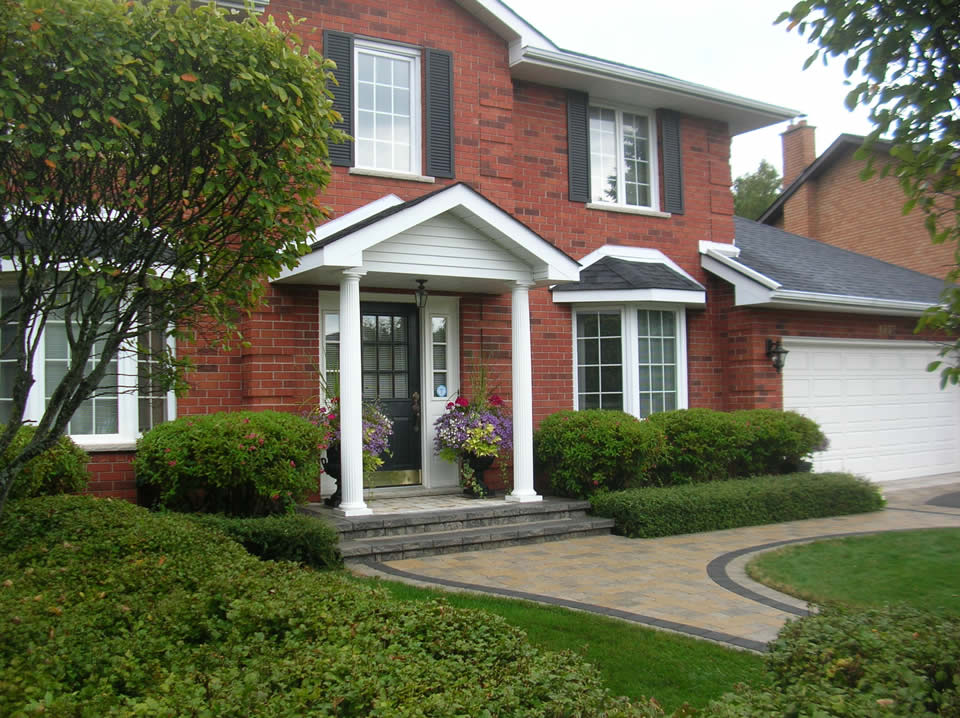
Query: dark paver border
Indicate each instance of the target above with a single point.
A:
(717, 568)
(715, 636)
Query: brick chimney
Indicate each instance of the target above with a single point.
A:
(799, 152)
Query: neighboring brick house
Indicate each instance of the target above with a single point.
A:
(573, 222)
(825, 198)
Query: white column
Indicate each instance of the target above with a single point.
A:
(351, 397)
(522, 396)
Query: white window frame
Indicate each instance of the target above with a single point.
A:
(630, 357)
(654, 155)
(393, 52)
(128, 414)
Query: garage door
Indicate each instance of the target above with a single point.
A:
(885, 415)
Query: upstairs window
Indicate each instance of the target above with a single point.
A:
(387, 95)
(623, 166)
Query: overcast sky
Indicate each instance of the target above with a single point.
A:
(730, 45)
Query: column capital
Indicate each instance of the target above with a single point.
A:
(523, 284)
(355, 272)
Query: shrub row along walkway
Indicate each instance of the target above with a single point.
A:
(693, 584)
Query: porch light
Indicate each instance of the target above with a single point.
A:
(421, 294)
(776, 354)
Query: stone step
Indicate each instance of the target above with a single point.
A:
(485, 513)
(476, 538)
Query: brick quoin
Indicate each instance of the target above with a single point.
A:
(511, 146)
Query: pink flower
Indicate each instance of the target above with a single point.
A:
(275, 496)
(449, 404)
(331, 416)
(167, 450)
(171, 463)
(292, 463)
(462, 401)
(496, 401)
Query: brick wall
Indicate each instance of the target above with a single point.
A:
(866, 217)
(750, 380)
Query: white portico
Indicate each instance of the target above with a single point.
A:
(461, 243)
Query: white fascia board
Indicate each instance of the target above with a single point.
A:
(506, 23)
(722, 248)
(602, 296)
(752, 274)
(351, 218)
(564, 61)
(846, 303)
(635, 254)
(746, 289)
(349, 253)
(912, 344)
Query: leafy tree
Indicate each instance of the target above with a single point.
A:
(755, 191)
(905, 55)
(157, 163)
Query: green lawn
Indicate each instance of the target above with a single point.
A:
(918, 568)
(634, 661)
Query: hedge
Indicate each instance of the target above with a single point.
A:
(584, 451)
(667, 511)
(110, 610)
(245, 463)
(708, 445)
(849, 663)
(61, 469)
(301, 539)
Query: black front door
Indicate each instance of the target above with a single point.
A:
(391, 377)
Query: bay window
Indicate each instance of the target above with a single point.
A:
(630, 357)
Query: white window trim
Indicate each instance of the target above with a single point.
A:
(654, 159)
(128, 414)
(416, 111)
(630, 359)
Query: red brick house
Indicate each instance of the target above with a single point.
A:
(825, 199)
(573, 224)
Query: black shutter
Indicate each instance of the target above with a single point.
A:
(338, 46)
(439, 113)
(672, 162)
(578, 146)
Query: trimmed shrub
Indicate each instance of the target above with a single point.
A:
(584, 451)
(301, 539)
(708, 445)
(243, 463)
(61, 469)
(702, 445)
(671, 510)
(851, 663)
(110, 610)
(780, 442)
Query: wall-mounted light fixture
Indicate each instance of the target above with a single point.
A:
(776, 354)
(421, 293)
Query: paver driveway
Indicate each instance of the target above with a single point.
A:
(692, 583)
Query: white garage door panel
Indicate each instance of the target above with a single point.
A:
(885, 415)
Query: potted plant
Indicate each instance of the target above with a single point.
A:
(472, 433)
(377, 429)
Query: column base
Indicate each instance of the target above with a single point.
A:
(523, 498)
(355, 510)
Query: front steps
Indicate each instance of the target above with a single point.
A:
(489, 524)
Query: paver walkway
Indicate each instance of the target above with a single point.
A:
(693, 583)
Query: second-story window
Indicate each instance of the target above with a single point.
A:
(623, 166)
(387, 107)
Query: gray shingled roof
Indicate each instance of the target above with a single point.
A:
(806, 265)
(612, 273)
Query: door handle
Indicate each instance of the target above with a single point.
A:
(415, 407)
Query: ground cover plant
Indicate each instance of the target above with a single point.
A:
(916, 568)
(244, 463)
(111, 610)
(634, 661)
(666, 511)
(851, 663)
